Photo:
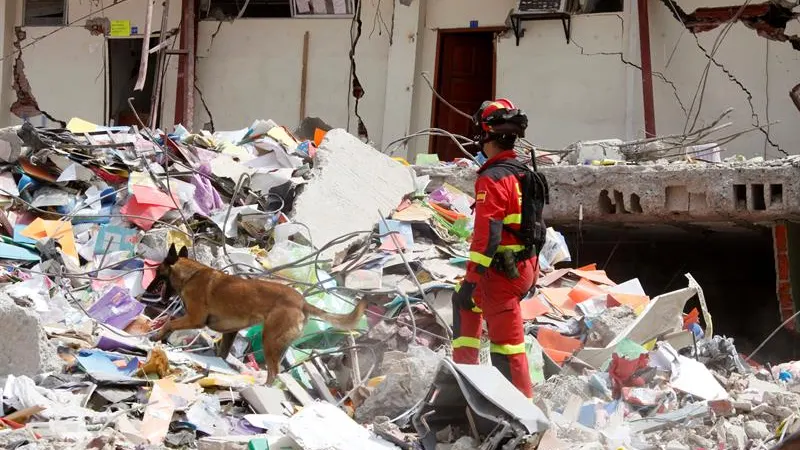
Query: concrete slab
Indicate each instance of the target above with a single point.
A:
(353, 181)
(660, 193)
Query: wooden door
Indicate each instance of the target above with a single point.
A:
(465, 78)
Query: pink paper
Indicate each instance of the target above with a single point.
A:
(152, 196)
(147, 204)
(389, 243)
(149, 272)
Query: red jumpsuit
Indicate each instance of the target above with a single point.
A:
(498, 201)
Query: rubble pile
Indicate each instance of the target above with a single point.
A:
(89, 213)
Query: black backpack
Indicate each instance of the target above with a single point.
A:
(535, 194)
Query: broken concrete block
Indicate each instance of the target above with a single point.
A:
(10, 144)
(24, 349)
(756, 430)
(589, 151)
(465, 443)
(407, 381)
(735, 437)
(265, 400)
(608, 325)
(353, 181)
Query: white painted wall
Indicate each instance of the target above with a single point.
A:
(65, 69)
(745, 55)
(568, 96)
(252, 70)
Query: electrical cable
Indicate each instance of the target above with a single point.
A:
(749, 357)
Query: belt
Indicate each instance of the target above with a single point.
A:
(523, 255)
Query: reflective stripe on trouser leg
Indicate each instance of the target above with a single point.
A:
(467, 329)
(508, 345)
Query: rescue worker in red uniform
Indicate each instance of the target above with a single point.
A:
(492, 288)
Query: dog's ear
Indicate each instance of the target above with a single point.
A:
(172, 256)
(184, 253)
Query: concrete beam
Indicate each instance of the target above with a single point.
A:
(675, 193)
(400, 71)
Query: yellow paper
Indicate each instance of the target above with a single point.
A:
(283, 137)
(54, 229)
(78, 125)
(179, 239)
(120, 28)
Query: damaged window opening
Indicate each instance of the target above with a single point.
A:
(261, 9)
(597, 6)
(45, 13)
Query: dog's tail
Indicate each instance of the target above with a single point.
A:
(341, 321)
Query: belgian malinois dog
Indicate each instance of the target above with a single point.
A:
(227, 304)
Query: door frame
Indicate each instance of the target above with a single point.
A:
(436, 66)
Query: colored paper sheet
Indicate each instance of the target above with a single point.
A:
(95, 362)
(533, 308)
(120, 28)
(77, 125)
(552, 277)
(161, 406)
(9, 251)
(116, 308)
(146, 205)
(319, 135)
(559, 297)
(636, 302)
(401, 228)
(19, 238)
(396, 244)
(596, 276)
(54, 229)
(554, 340)
(149, 273)
(121, 239)
(585, 290)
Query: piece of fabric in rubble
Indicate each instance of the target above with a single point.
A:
(407, 381)
(206, 197)
(627, 373)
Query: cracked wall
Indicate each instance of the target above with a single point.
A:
(63, 73)
(753, 70)
(591, 88)
(251, 69)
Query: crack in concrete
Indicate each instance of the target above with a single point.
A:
(710, 18)
(658, 75)
(767, 19)
(26, 105)
(205, 106)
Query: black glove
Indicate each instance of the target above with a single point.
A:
(463, 296)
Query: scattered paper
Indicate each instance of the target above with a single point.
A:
(695, 379)
(166, 396)
(79, 126)
(147, 205)
(9, 251)
(54, 229)
(120, 239)
(116, 308)
(8, 186)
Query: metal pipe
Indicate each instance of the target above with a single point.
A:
(647, 70)
(155, 98)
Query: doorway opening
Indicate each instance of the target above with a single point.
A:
(465, 77)
(735, 266)
(124, 56)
